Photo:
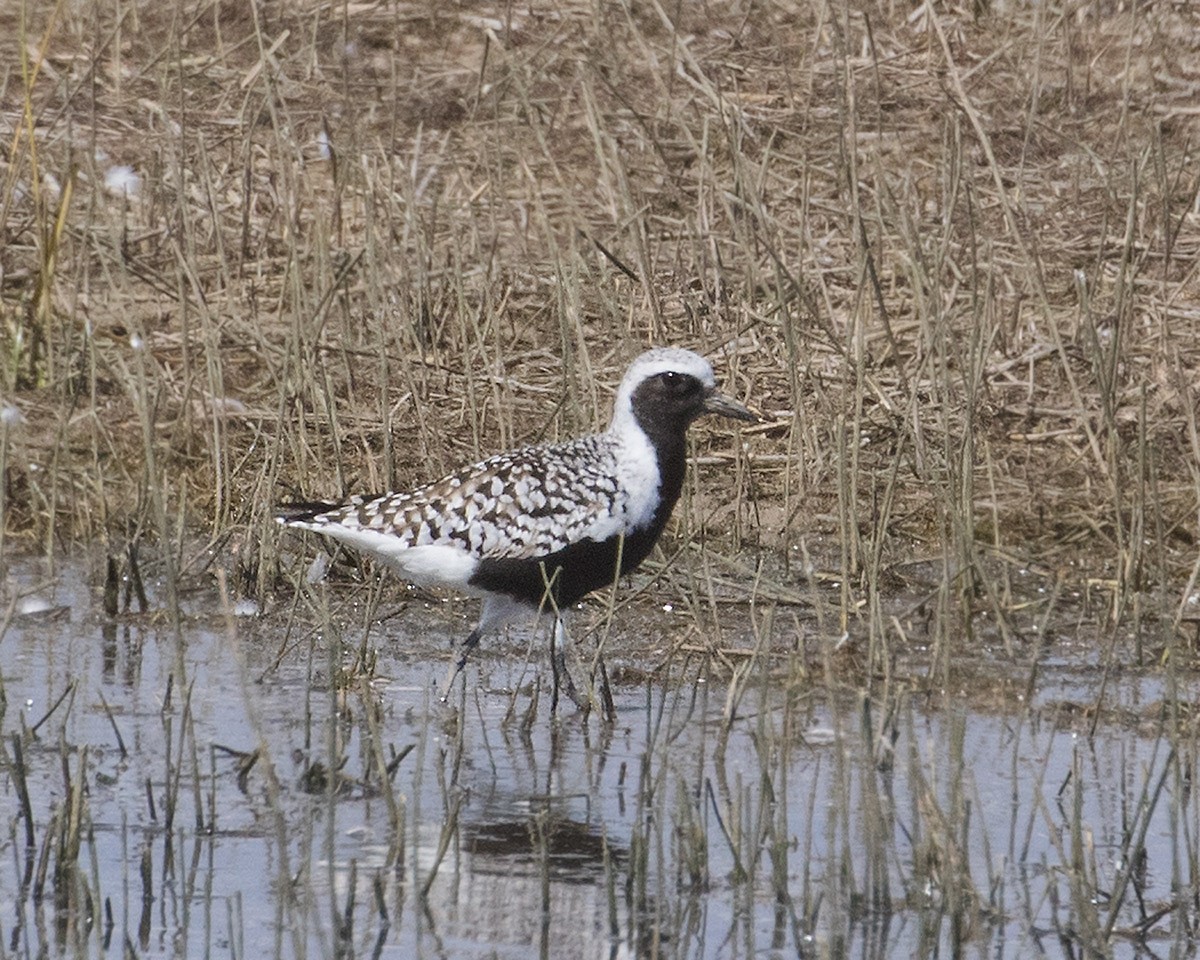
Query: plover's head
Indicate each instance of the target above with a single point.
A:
(665, 389)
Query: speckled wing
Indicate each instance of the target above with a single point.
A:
(514, 506)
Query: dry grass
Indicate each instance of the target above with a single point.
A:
(952, 250)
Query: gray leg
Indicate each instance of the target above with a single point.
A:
(558, 664)
(468, 645)
(606, 698)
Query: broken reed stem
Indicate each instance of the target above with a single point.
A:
(20, 780)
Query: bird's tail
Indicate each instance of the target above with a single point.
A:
(302, 512)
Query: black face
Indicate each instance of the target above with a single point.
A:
(668, 401)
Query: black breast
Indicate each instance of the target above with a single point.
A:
(588, 565)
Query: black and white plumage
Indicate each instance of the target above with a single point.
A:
(540, 527)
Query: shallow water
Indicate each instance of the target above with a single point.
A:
(719, 817)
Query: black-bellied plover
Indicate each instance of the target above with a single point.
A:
(536, 529)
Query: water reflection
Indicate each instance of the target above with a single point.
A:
(178, 806)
